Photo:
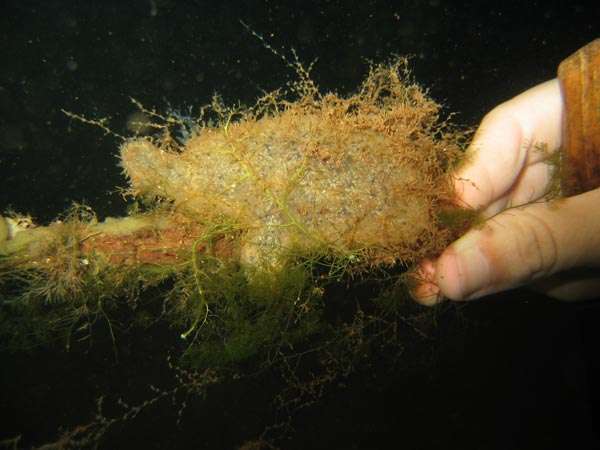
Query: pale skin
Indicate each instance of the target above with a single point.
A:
(525, 240)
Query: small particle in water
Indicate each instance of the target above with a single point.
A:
(138, 123)
(72, 64)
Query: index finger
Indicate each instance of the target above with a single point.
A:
(503, 145)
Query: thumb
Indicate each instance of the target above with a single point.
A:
(521, 245)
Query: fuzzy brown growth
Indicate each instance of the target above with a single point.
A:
(363, 174)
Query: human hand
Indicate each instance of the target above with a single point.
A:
(507, 175)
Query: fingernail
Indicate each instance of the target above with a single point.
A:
(472, 266)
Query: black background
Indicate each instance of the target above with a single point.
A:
(523, 374)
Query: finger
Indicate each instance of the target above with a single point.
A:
(507, 140)
(521, 245)
(494, 160)
(571, 285)
(425, 291)
(531, 185)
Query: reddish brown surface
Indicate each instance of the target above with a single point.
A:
(579, 77)
(166, 246)
(148, 246)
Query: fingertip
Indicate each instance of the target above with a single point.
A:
(425, 291)
(463, 187)
(465, 270)
(427, 294)
(452, 274)
(472, 188)
(492, 161)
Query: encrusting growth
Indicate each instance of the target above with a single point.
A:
(353, 183)
(364, 174)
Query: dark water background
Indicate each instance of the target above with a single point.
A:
(524, 374)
